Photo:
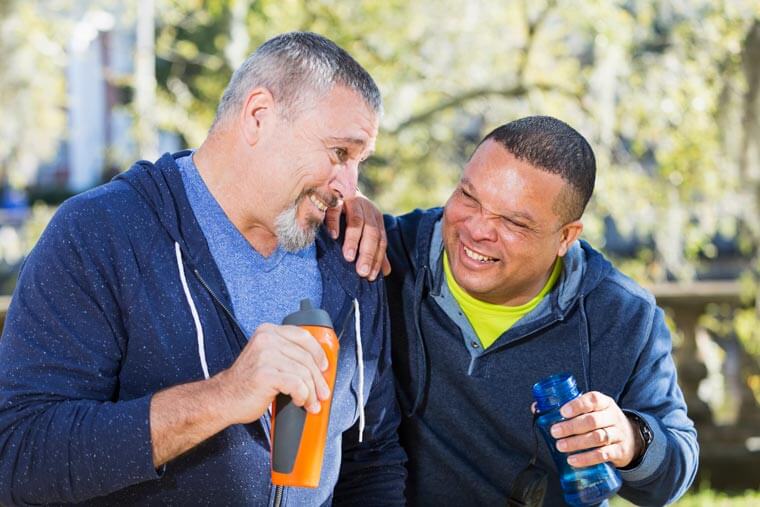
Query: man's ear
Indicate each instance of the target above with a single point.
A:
(257, 114)
(570, 232)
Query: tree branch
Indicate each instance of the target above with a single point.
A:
(532, 29)
(477, 93)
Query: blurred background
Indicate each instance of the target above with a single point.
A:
(667, 92)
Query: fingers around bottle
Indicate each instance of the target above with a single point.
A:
(593, 439)
(588, 402)
(608, 453)
(305, 363)
(582, 424)
(306, 341)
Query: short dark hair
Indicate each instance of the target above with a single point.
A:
(295, 66)
(553, 146)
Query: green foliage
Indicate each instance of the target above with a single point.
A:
(663, 90)
(668, 93)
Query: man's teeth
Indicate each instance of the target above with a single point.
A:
(321, 206)
(476, 256)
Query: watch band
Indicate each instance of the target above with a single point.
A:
(646, 435)
(644, 430)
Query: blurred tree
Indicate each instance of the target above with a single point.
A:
(666, 91)
(32, 87)
(647, 82)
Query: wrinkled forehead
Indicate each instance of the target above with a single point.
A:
(346, 115)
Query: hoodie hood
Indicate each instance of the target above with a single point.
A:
(160, 186)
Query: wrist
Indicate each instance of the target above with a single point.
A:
(222, 399)
(642, 436)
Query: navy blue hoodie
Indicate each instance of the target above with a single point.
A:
(466, 422)
(100, 321)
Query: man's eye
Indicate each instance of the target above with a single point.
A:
(512, 224)
(341, 154)
(467, 197)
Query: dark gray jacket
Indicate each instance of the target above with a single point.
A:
(466, 422)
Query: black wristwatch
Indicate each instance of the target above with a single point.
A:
(646, 435)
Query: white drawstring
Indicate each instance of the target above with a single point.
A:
(360, 366)
(193, 311)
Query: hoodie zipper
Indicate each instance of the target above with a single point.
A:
(219, 301)
(265, 419)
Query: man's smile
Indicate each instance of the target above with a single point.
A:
(318, 203)
(477, 256)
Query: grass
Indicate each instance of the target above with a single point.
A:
(705, 497)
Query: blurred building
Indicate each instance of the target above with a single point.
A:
(100, 88)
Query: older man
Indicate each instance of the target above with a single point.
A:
(142, 348)
(494, 292)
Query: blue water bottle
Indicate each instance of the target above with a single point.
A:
(581, 486)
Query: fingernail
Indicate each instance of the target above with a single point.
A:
(324, 393)
(350, 254)
(364, 270)
(556, 431)
(314, 408)
(566, 412)
(324, 365)
(334, 234)
(572, 461)
(561, 445)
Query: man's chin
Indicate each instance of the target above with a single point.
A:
(291, 234)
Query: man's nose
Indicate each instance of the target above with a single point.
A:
(346, 181)
(481, 227)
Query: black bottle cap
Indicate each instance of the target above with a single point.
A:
(307, 315)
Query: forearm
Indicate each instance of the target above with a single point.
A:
(183, 416)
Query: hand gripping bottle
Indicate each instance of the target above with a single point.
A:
(298, 437)
(581, 486)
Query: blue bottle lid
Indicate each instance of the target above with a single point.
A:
(554, 391)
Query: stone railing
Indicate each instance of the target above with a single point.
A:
(729, 452)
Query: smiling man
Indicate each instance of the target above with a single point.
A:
(494, 292)
(143, 349)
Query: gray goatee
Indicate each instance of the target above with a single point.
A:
(290, 234)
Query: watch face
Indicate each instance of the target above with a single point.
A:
(646, 433)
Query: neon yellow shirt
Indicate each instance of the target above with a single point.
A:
(491, 321)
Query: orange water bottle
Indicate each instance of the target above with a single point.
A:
(298, 437)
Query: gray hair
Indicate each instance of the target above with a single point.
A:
(295, 67)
